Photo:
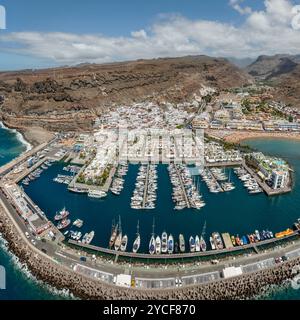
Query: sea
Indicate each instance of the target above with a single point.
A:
(236, 212)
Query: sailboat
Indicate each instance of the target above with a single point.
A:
(119, 238)
(152, 240)
(197, 243)
(137, 241)
(114, 233)
(228, 186)
(170, 244)
(203, 245)
(158, 245)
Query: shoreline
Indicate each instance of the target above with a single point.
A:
(19, 136)
(47, 272)
(23, 269)
(29, 136)
(244, 287)
(239, 136)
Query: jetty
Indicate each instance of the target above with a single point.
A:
(146, 187)
(216, 181)
(183, 188)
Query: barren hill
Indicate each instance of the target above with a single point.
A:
(282, 72)
(70, 97)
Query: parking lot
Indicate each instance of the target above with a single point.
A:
(257, 266)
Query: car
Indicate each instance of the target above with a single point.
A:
(83, 259)
(278, 260)
(33, 242)
(44, 250)
(27, 235)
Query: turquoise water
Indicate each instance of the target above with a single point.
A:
(10, 145)
(19, 284)
(290, 151)
(236, 212)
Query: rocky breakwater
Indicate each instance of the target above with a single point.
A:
(43, 268)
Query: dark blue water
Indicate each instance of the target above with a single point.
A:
(236, 212)
(288, 204)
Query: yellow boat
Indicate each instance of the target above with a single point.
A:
(283, 234)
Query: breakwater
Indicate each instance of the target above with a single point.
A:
(45, 269)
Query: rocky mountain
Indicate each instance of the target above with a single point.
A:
(282, 72)
(70, 97)
(270, 67)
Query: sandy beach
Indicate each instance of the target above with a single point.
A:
(239, 136)
(30, 136)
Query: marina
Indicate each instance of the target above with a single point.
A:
(184, 239)
(160, 175)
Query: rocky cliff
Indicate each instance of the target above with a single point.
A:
(71, 97)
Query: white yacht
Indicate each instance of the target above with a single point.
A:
(97, 194)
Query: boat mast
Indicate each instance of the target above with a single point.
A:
(153, 226)
(203, 230)
(120, 227)
(138, 228)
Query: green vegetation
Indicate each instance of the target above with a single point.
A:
(230, 145)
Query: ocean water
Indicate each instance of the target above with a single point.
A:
(19, 282)
(290, 151)
(237, 212)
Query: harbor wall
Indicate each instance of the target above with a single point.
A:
(45, 269)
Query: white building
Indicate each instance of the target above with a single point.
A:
(279, 179)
